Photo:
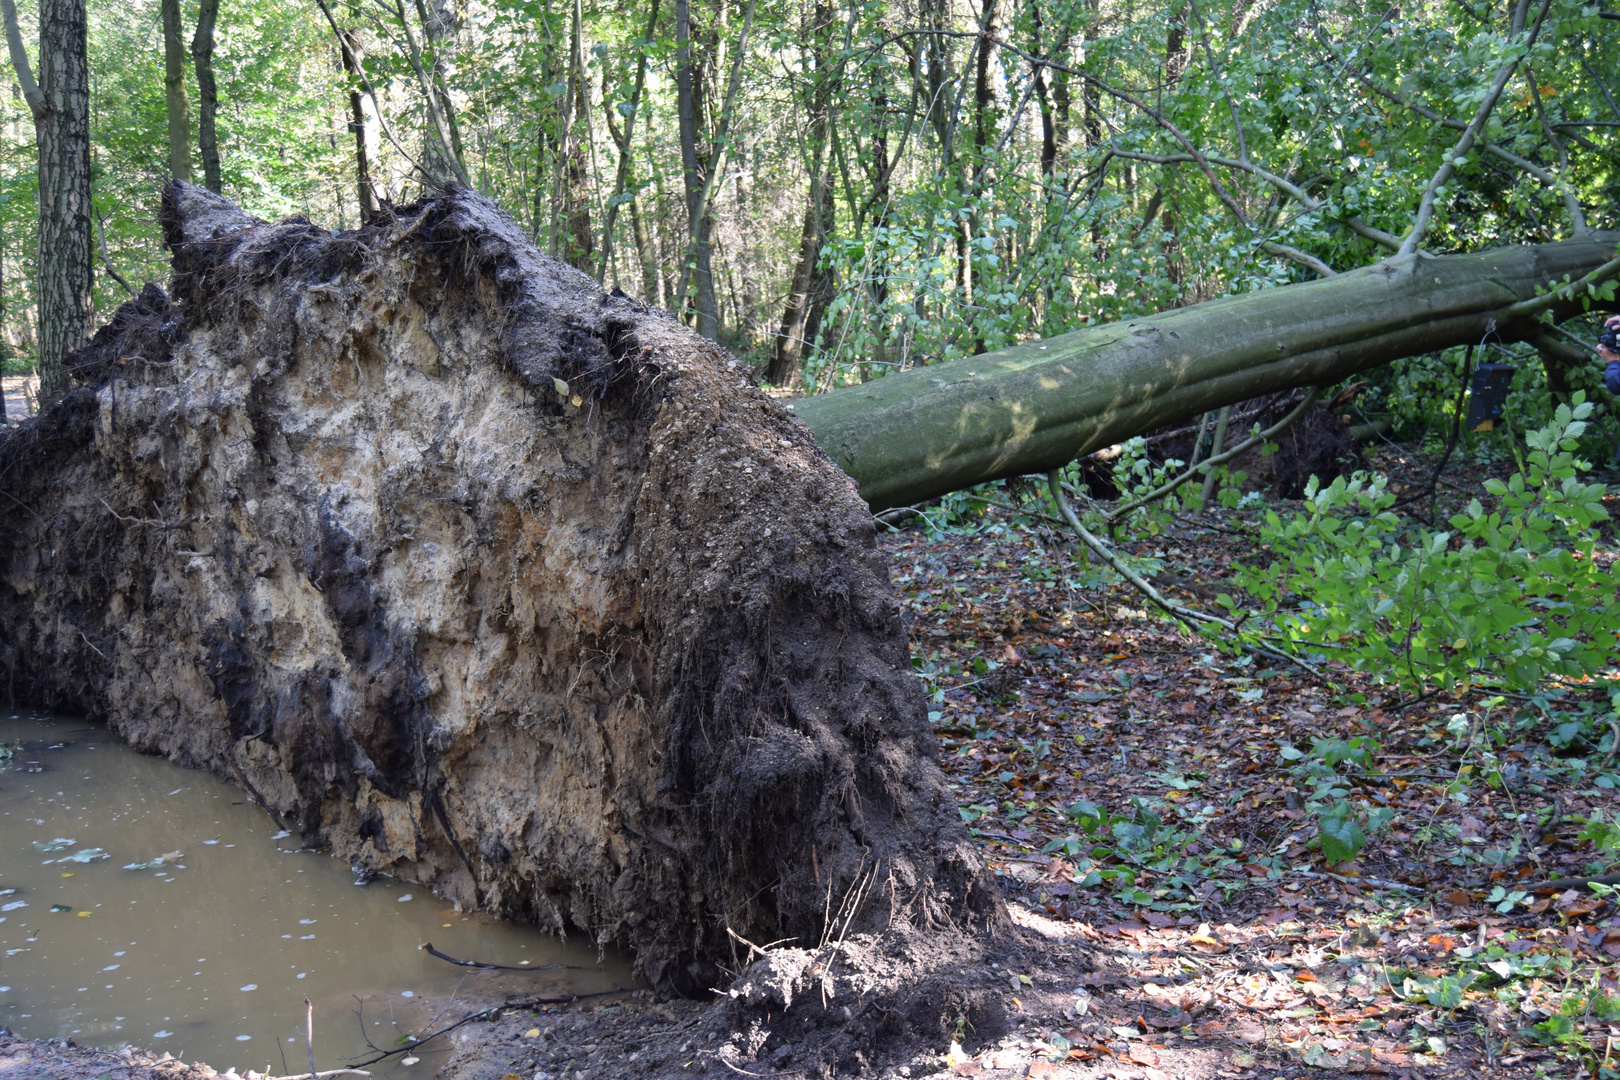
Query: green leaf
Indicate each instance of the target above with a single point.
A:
(1342, 837)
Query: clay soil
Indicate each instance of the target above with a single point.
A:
(1234, 950)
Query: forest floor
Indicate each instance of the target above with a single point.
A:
(1216, 920)
(1145, 799)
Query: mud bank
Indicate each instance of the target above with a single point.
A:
(485, 578)
(887, 1004)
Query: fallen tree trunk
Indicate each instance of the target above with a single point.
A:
(1031, 408)
(486, 579)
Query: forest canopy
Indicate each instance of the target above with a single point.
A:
(877, 185)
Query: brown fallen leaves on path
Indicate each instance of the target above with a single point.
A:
(1136, 788)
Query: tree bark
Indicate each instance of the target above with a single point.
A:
(363, 122)
(809, 280)
(625, 141)
(1035, 407)
(202, 54)
(694, 173)
(174, 92)
(60, 102)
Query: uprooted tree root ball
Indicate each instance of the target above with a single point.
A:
(485, 578)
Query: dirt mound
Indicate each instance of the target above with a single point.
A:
(487, 579)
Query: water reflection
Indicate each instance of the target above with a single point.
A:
(145, 903)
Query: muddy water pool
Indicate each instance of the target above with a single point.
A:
(155, 906)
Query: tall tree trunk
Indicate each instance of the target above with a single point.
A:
(1175, 49)
(202, 54)
(441, 23)
(174, 92)
(580, 241)
(1035, 407)
(652, 289)
(694, 173)
(60, 102)
(625, 141)
(982, 168)
(787, 351)
(363, 121)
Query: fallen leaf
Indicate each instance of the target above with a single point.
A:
(532, 1033)
(1250, 1032)
(1144, 1055)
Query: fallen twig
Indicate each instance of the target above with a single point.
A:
(309, 1036)
(1379, 883)
(428, 948)
(484, 1014)
(1563, 884)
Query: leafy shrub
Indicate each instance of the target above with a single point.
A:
(1508, 598)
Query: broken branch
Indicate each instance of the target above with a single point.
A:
(431, 951)
(1219, 459)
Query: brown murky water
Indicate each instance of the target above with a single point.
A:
(154, 905)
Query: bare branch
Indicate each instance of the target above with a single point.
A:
(1287, 187)
(364, 82)
(1303, 258)
(1420, 224)
(1572, 203)
(1523, 164)
(106, 259)
(19, 60)
(1219, 459)
(431, 97)
(1107, 555)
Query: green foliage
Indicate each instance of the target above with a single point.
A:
(1508, 598)
(1442, 992)
(1115, 848)
(959, 223)
(1324, 770)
